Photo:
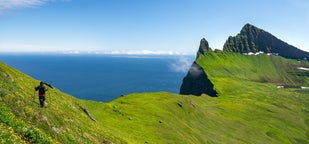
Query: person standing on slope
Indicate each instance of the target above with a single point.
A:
(41, 88)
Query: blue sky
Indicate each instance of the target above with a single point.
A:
(144, 26)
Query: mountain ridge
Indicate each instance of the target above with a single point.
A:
(254, 39)
(251, 39)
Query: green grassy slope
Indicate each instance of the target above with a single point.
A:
(234, 73)
(250, 109)
(22, 120)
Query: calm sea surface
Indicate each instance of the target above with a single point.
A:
(104, 77)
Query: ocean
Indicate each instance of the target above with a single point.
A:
(104, 77)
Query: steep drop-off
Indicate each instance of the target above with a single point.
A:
(250, 109)
(196, 81)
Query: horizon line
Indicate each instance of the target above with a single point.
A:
(116, 52)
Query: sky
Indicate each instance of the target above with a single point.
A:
(144, 26)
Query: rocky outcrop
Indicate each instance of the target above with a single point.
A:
(204, 46)
(253, 39)
(196, 82)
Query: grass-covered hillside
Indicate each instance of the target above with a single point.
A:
(234, 73)
(63, 121)
(250, 108)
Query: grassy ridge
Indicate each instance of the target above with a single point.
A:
(250, 109)
(62, 121)
(232, 72)
(170, 118)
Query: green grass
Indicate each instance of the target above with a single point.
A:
(249, 109)
(62, 121)
(233, 72)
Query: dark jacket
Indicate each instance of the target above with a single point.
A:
(41, 90)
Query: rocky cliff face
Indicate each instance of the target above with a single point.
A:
(204, 46)
(196, 81)
(253, 39)
(250, 39)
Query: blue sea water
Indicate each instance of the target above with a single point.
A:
(104, 77)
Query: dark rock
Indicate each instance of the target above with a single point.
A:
(253, 39)
(204, 46)
(179, 104)
(196, 82)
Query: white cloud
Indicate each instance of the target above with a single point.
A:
(145, 52)
(13, 4)
(73, 49)
(6, 5)
(181, 65)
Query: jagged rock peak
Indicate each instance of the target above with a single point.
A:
(254, 39)
(248, 27)
(204, 46)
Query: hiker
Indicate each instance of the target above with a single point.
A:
(41, 88)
